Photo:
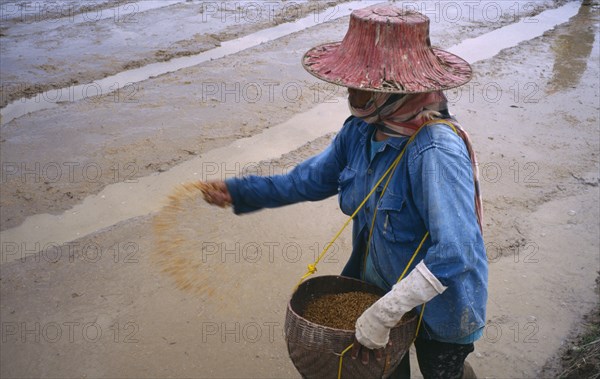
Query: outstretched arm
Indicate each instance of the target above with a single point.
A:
(312, 180)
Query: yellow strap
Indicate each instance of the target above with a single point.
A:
(413, 257)
(342, 359)
(395, 164)
(420, 315)
(393, 167)
(420, 319)
(352, 344)
(312, 268)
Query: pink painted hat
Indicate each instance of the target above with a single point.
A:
(387, 49)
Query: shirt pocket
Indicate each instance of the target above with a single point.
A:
(346, 190)
(394, 219)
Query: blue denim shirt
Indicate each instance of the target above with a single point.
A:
(431, 190)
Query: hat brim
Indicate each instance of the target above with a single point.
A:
(451, 72)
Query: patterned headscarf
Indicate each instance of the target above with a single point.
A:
(403, 114)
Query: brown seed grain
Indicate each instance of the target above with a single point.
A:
(340, 310)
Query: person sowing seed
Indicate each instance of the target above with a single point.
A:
(395, 81)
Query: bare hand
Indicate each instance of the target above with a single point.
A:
(216, 193)
(364, 353)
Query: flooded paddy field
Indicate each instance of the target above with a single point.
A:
(108, 105)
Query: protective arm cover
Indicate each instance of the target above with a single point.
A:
(373, 326)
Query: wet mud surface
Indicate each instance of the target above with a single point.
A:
(532, 111)
(116, 38)
(121, 136)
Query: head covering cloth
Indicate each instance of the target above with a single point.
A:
(387, 51)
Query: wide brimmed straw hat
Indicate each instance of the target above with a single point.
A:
(387, 49)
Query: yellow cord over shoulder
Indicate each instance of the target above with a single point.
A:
(312, 268)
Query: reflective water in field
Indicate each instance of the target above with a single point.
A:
(121, 201)
(472, 50)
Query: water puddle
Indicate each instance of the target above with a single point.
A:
(572, 50)
(122, 201)
(473, 50)
(490, 44)
(38, 18)
(54, 98)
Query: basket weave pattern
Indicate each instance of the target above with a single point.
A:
(315, 349)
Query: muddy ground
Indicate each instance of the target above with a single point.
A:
(215, 102)
(114, 36)
(98, 305)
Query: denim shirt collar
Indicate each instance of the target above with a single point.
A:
(367, 130)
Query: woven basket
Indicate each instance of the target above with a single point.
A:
(315, 349)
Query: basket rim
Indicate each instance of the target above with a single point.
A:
(291, 309)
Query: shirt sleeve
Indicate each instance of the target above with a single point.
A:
(442, 184)
(312, 180)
